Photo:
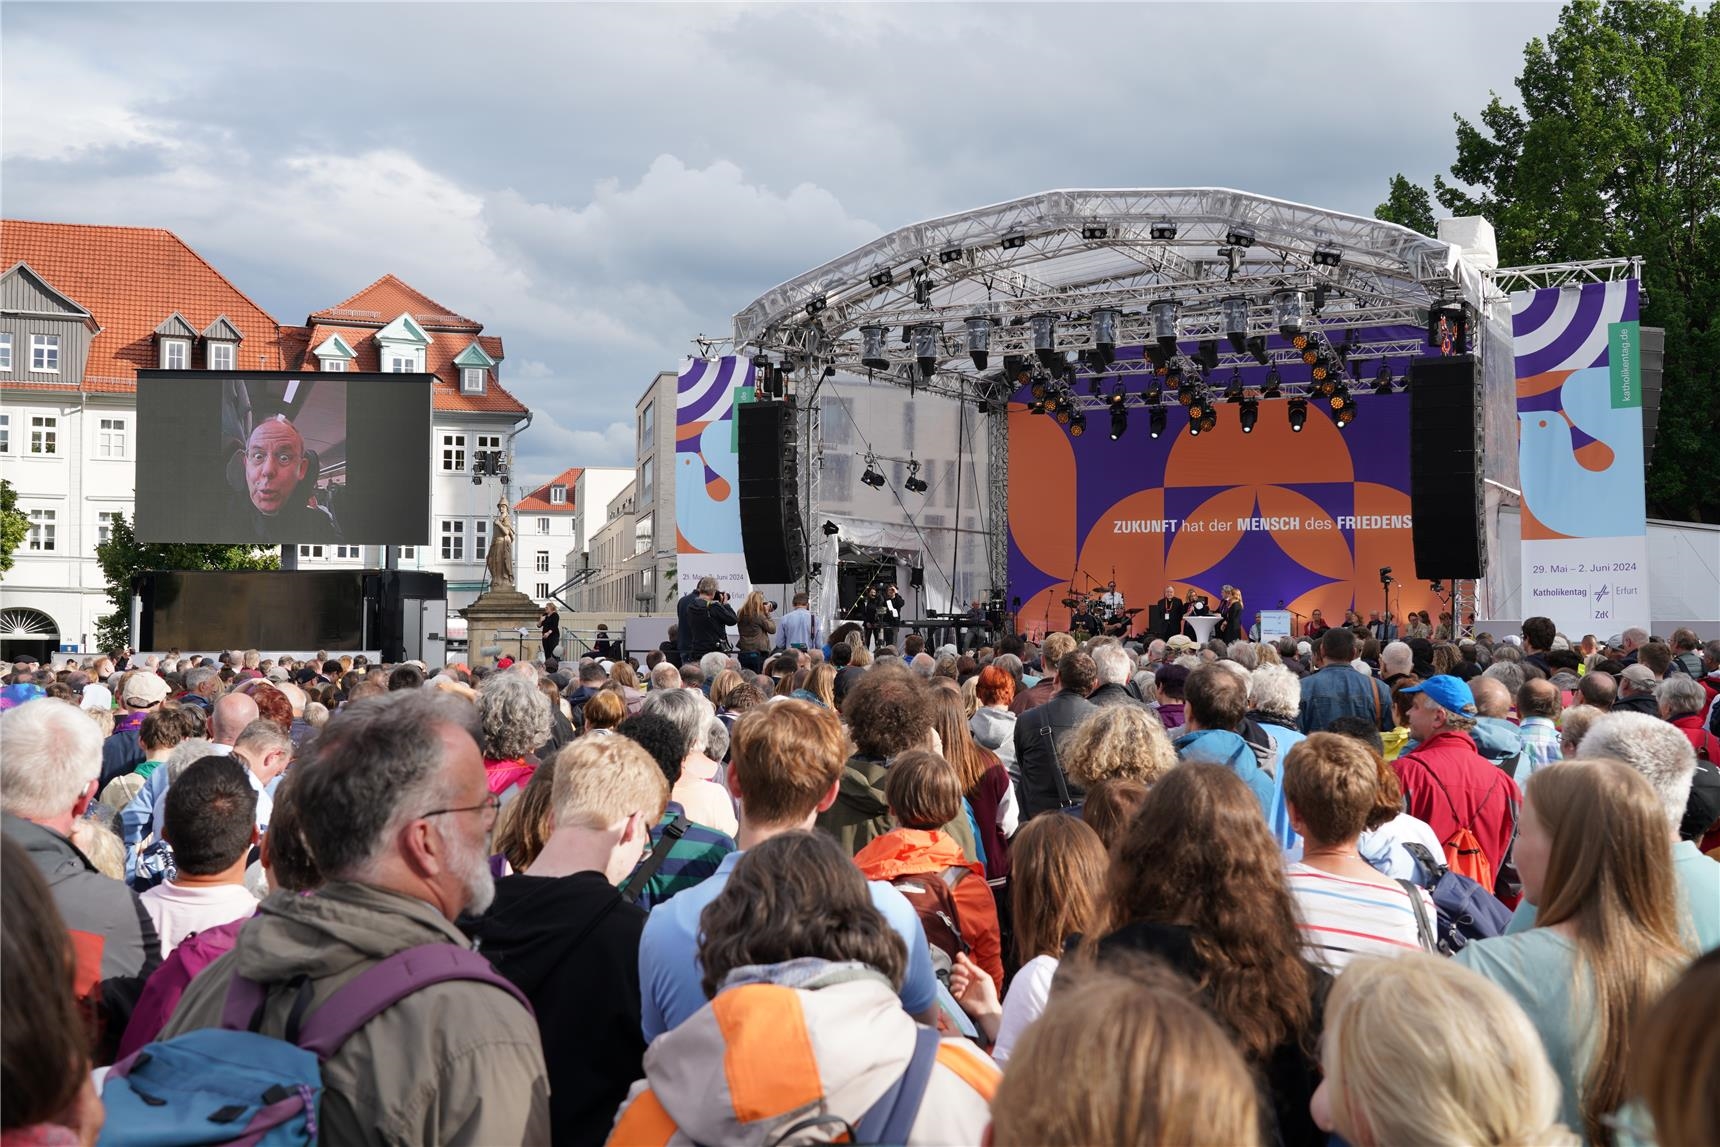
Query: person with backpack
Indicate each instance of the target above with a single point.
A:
(693, 852)
(569, 940)
(210, 821)
(410, 1036)
(1607, 943)
(948, 891)
(1470, 804)
(802, 1037)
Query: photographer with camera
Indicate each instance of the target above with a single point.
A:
(756, 623)
(703, 618)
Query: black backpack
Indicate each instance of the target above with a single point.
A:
(1467, 911)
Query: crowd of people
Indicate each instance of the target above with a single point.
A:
(1334, 889)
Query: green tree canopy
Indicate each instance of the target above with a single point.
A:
(14, 525)
(123, 556)
(1615, 150)
(1408, 204)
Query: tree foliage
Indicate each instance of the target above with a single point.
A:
(1408, 204)
(14, 525)
(123, 556)
(1615, 150)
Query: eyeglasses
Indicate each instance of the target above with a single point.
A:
(492, 803)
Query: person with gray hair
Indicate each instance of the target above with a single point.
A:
(1397, 661)
(394, 807)
(665, 678)
(1508, 673)
(696, 791)
(712, 664)
(1242, 652)
(48, 775)
(717, 741)
(513, 720)
(1683, 701)
(923, 665)
(202, 686)
(1666, 760)
(1111, 661)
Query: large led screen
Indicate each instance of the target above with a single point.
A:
(272, 457)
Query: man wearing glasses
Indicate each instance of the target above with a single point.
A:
(393, 804)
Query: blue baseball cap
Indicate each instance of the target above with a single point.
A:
(1449, 693)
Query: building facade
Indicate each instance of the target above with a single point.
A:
(654, 492)
(621, 564)
(544, 521)
(83, 308)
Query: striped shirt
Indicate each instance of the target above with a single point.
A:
(691, 860)
(1342, 919)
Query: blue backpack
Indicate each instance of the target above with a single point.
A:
(1467, 911)
(233, 1085)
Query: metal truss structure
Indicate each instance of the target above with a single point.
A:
(1508, 280)
(945, 305)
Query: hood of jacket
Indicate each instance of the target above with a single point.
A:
(903, 851)
(992, 727)
(1496, 738)
(341, 929)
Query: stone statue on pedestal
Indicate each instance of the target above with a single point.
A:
(500, 560)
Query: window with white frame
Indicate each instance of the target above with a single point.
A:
(45, 354)
(542, 590)
(643, 539)
(480, 538)
(337, 365)
(310, 552)
(104, 525)
(489, 442)
(558, 495)
(408, 553)
(453, 540)
(221, 356)
(453, 453)
(403, 362)
(542, 562)
(346, 553)
(44, 434)
(472, 379)
(5, 434)
(42, 530)
(110, 438)
(5, 350)
(543, 526)
(175, 354)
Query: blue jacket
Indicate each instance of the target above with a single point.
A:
(1221, 747)
(1339, 691)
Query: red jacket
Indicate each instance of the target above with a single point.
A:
(1691, 726)
(906, 851)
(1449, 785)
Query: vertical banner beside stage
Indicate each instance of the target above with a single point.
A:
(707, 468)
(1580, 456)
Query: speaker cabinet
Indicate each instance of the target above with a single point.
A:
(772, 534)
(1445, 468)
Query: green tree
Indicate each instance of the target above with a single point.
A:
(14, 525)
(123, 556)
(1407, 204)
(1615, 150)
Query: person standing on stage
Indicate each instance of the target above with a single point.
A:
(1231, 627)
(799, 629)
(867, 610)
(1196, 606)
(549, 625)
(890, 611)
(1164, 619)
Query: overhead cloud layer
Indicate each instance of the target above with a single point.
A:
(601, 184)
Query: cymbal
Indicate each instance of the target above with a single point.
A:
(1072, 602)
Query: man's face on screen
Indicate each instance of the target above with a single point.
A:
(274, 465)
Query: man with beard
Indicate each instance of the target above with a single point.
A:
(275, 465)
(394, 806)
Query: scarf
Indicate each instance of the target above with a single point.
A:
(504, 775)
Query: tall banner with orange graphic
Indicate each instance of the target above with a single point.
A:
(1580, 456)
(707, 468)
(1302, 521)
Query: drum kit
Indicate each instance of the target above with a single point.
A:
(1100, 611)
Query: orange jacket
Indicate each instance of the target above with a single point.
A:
(906, 851)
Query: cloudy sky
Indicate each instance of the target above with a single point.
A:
(599, 184)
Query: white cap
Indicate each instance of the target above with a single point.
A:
(96, 696)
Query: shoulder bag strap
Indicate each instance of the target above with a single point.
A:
(1064, 800)
(672, 832)
(1423, 930)
(891, 1118)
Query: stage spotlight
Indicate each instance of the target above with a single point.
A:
(1095, 231)
(1287, 312)
(871, 477)
(1257, 348)
(872, 349)
(1189, 392)
(1339, 397)
(1383, 380)
(1105, 333)
(817, 303)
(1163, 231)
(926, 348)
(881, 279)
(831, 529)
(1164, 315)
(1014, 241)
(1274, 387)
(1045, 339)
(1077, 424)
(1156, 421)
(1119, 421)
(1327, 256)
(1249, 414)
(1236, 322)
(1117, 397)
(1208, 420)
(1154, 394)
(1298, 414)
(1094, 386)
(1346, 414)
(1208, 356)
(914, 484)
(1233, 392)
(1064, 415)
(1319, 297)
(1240, 236)
(979, 340)
(1039, 387)
(923, 290)
(950, 255)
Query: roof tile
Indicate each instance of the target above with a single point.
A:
(538, 499)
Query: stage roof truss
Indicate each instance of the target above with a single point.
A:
(1508, 280)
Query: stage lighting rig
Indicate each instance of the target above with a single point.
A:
(1338, 396)
(1287, 312)
(1164, 316)
(1105, 321)
(871, 349)
(1298, 414)
(1077, 424)
(1156, 421)
(872, 477)
(1327, 256)
(816, 304)
(1045, 339)
(882, 279)
(1233, 392)
(1236, 322)
(1383, 379)
(949, 255)
(1163, 231)
(1014, 241)
(1154, 394)
(979, 340)
(1094, 231)
(1117, 397)
(925, 339)
(831, 529)
(1119, 421)
(1274, 387)
(1249, 414)
(923, 290)
(1346, 413)
(1239, 236)
(1257, 348)
(914, 484)
(1208, 356)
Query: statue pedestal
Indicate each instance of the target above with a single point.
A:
(493, 624)
(1202, 626)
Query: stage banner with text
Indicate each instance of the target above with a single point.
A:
(1300, 521)
(1580, 456)
(707, 467)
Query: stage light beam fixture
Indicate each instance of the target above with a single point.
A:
(1236, 322)
(1249, 414)
(926, 348)
(1327, 256)
(1119, 421)
(816, 304)
(1164, 317)
(1093, 231)
(1287, 312)
(1274, 387)
(949, 255)
(1044, 328)
(1240, 236)
(1077, 424)
(872, 477)
(831, 529)
(882, 279)
(1383, 379)
(872, 349)
(1156, 421)
(1163, 231)
(1105, 333)
(1014, 241)
(979, 341)
(1298, 414)
(914, 484)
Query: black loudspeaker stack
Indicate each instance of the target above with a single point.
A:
(771, 531)
(1445, 468)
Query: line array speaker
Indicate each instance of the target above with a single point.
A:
(772, 534)
(1445, 468)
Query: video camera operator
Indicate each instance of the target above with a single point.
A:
(703, 618)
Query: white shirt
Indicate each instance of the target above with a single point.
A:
(179, 911)
(1025, 1001)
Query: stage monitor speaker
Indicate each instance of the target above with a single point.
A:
(1445, 468)
(772, 534)
(917, 577)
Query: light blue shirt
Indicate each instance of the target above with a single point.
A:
(1698, 893)
(797, 627)
(669, 973)
(1537, 969)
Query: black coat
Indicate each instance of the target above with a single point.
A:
(1041, 738)
(703, 625)
(1165, 621)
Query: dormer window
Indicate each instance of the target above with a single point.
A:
(221, 345)
(175, 354)
(173, 339)
(472, 379)
(558, 495)
(475, 364)
(221, 356)
(400, 346)
(333, 354)
(404, 360)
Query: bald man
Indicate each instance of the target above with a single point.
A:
(275, 465)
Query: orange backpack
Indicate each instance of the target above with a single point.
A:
(1463, 854)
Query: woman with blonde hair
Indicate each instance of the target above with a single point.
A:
(622, 676)
(755, 626)
(1420, 1051)
(722, 685)
(1591, 850)
(604, 710)
(1126, 1055)
(1119, 741)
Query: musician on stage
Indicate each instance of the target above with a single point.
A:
(890, 608)
(1164, 618)
(866, 609)
(1231, 610)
